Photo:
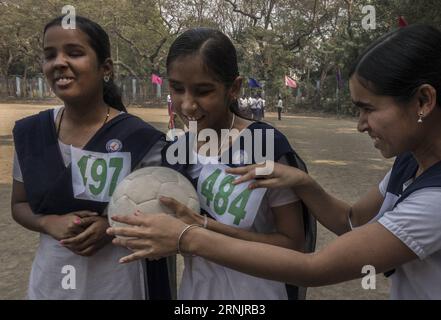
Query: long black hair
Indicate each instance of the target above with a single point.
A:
(100, 43)
(216, 51)
(398, 63)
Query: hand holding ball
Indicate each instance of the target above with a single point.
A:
(141, 190)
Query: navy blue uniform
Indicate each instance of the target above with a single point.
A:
(48, 182)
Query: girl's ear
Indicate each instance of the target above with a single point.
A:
(108, 67)
(426, 95)
(235, 88)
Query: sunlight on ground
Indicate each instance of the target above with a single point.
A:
(331, 162)
(346, 130)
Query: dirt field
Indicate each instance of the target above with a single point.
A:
(342, 160)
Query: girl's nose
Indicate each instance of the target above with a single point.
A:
(60, 61)
(189, 105)
(362, 124)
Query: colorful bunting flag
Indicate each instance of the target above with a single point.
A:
(402, 22)
(156, 79)
(289, 82)
(253, 83)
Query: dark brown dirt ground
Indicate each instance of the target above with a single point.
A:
(342, 160)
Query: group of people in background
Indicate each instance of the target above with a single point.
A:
(253, 107)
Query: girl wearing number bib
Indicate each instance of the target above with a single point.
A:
(395, 228)
(68, 162)
(205, 85)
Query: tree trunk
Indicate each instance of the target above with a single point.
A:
(349, 26)
(24, 93)
(8, 90)
(6, 73)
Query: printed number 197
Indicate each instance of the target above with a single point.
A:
(98, 173)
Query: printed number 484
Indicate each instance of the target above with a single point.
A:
(221, 201)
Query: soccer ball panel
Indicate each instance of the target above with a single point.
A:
(165, 175)
(119, 190)
(141, 190)
(122, 206)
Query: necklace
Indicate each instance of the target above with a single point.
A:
(62, 114)
(226, 136)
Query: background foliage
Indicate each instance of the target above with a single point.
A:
(306, 39)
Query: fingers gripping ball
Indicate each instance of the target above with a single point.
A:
(142, 189)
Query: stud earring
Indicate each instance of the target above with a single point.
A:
(420, 119)
(106, 78)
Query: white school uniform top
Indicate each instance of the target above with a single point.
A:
(99, 277)
(205, 280)
(416, 221)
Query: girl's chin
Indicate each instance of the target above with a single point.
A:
(387, 153)
(69, 97)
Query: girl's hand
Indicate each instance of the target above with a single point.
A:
(64, 226)
(152, 236)
(93, 237)
(282, 176)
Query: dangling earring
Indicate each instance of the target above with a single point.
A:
(420, 119)
(106, 78)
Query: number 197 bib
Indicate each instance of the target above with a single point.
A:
(234, 205)
(95, 175)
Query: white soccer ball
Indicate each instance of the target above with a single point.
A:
(141, 190)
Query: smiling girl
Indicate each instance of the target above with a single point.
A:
(67, 164)
(205, 84)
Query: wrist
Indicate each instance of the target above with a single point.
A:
(305, 181)
(43, 222)
(186, 240)
(305, 187)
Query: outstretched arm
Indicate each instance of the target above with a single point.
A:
(329, 211)
(341, 260)
(288, 222)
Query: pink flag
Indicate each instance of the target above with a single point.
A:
(402, 22)
(156, 79)
(289, 82)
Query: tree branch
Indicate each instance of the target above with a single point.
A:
(249, 15)
(128, 68)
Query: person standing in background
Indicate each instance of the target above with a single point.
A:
(279, 108)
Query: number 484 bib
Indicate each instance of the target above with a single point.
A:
(95, 175)
(234, 205)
